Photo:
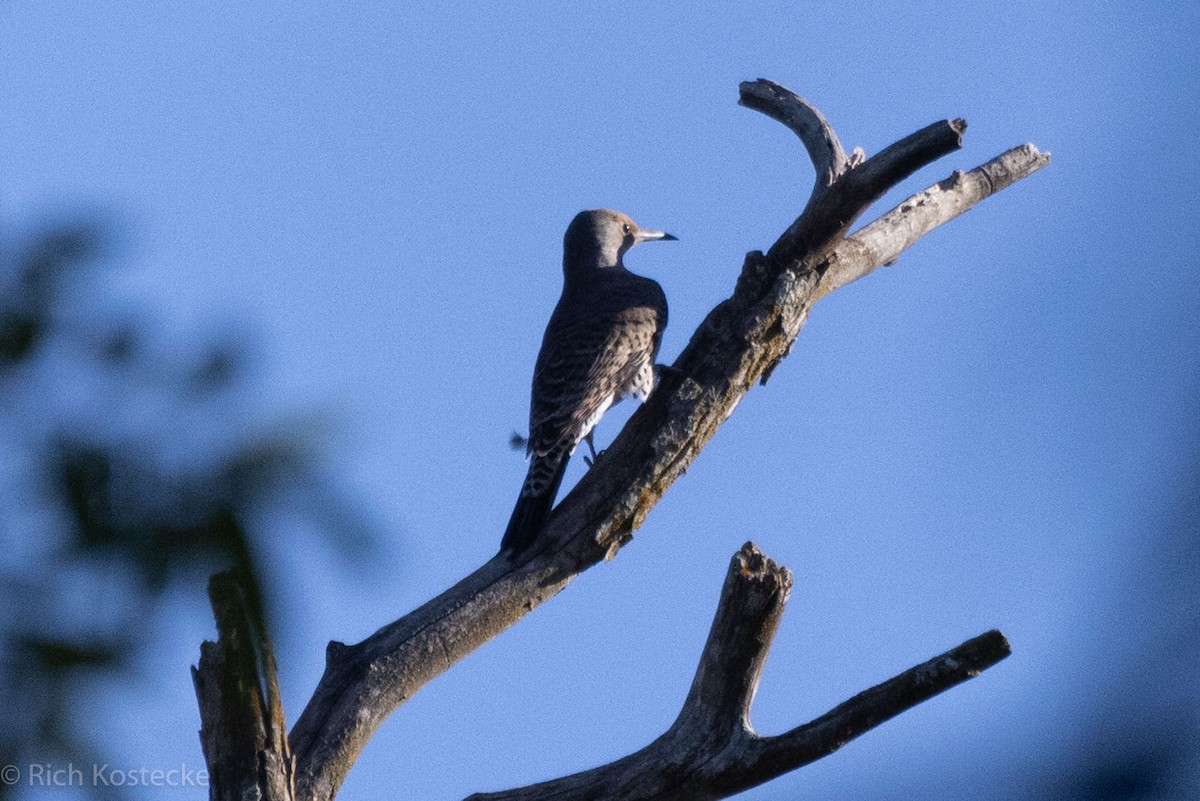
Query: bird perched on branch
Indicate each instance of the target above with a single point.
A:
(599, 347)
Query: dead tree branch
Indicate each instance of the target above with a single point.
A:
(882, 242)
(711, 750)
(804, 120)
(740, 342)
(242, 732)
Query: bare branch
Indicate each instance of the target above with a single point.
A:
(364, 683)
(868, 709)
(804, 120)
(828, 217)
(740, 342)
(882, 242)
(752, 599)
(712, 751)
(839, 196)
(242, 730)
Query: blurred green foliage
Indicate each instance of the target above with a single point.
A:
(128, 467)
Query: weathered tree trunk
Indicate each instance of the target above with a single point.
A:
(242, 729)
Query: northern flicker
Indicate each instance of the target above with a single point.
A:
(599, 347)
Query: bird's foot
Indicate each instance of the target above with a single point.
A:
(592, 448)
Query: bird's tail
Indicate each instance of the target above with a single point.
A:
(534, 503)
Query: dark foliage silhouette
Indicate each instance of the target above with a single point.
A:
(129, 466)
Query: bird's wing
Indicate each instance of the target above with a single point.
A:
(585, 366)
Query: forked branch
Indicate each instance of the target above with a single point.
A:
(740, 342)
(712, 751)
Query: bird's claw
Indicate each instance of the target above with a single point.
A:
(591, 447)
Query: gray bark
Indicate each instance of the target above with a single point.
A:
(738, 345)
(712, 751)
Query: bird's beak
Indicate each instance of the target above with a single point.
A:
(643, 235)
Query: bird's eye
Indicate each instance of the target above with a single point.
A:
(626, 227)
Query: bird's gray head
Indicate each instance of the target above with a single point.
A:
(600, 237)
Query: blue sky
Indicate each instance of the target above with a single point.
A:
(980, 436)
